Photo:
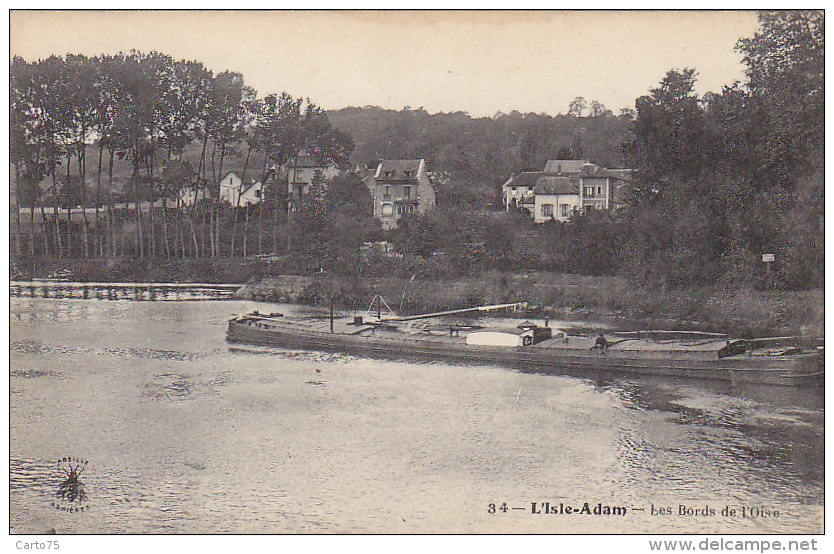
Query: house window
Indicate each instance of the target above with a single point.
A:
(547, 210)
(387, 209)
(386, 192)
(599, 191)
(406, 191)
(589, 191)
(257, 193)
(565, 210)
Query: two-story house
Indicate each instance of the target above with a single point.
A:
(597, 187)
(304, 173)
(565, 187)
(400, 187)
(238, 194)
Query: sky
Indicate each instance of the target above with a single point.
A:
(479, 62)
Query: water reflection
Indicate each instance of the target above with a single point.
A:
(767, 438)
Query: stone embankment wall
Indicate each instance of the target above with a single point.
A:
(286, 289)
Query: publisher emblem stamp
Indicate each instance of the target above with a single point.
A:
(71, 495)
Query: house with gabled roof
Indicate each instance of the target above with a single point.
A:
(304, 173)
(564, 187)
(400, 187)
(518, 190)
(239, 194)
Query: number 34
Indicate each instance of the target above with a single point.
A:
(491, 508)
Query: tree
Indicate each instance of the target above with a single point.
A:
(49, 101)
(628, 113)
(591, 243)
(280, 137)
(598, 110)
(229, 99)
(323, 142)
(786, 70)
(785, 123)
(417, 234)
(670, 130)
(81, 76)
(348, 195)
(28, 148)
(675, 223)
(564, 153)
(577, 107)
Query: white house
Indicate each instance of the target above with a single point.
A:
(191, 195)
(518, 190)
(565, 187)
(555, 198)
(233, 190)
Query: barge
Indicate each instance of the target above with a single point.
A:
(529, 346)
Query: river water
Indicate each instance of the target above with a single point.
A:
(183, 434)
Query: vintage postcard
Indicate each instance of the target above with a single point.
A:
(417, 272)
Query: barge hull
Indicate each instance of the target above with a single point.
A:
(779, 370)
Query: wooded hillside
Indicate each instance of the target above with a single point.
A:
(480, 153)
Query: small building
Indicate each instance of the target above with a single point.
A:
(400, 187)
(191, 195)
(518, 190)
(305, 173)
(238, 194)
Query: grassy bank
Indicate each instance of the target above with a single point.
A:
(171, 270)
(743, 312)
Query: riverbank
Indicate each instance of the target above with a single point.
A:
(143, 270)
(122, 291)
(612, 300)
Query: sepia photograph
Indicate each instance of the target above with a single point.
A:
(418, 272)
